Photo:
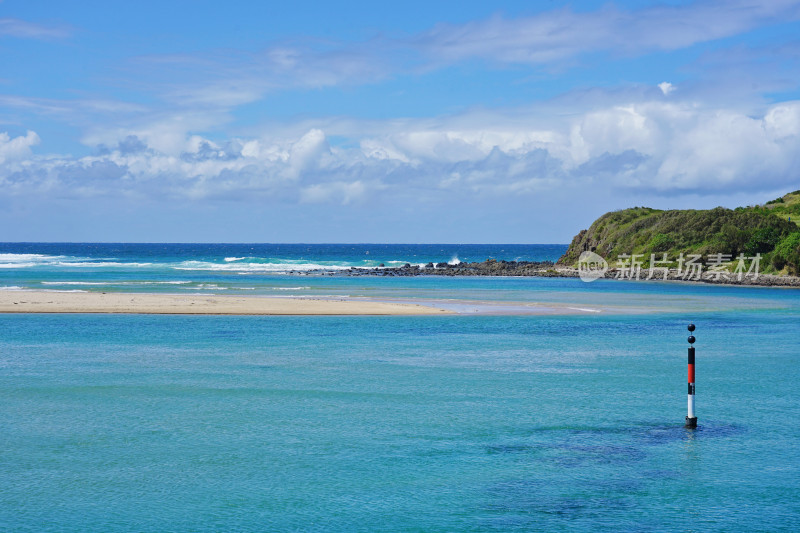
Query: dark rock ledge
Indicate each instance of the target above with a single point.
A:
(492, 267)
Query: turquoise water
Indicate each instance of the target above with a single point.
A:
(444, 423)
(242, 269)
(224, 267)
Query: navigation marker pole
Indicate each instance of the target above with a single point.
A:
(691, 419)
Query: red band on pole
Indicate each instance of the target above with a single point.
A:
(691, 373)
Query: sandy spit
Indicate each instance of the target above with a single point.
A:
(183, 304)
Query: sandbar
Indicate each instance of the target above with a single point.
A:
(198, 304)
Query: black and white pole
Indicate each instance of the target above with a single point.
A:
(691, 419)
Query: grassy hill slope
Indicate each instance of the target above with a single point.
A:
(771, 230)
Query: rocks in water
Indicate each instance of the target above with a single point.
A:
(492, 267)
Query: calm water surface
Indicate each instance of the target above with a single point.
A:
(474, 423)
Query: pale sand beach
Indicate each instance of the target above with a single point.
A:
(32, 301)
(180, 304)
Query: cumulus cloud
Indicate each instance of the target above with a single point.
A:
(651, 145)
(683, 148)
(18, 147)
(307, 152)
(202, 169)
(165, 132)
(214, 83)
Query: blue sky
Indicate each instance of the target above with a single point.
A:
(358, 122)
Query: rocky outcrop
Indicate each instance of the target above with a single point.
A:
(548, 269)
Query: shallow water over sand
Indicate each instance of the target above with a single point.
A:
(398, 423)
(462, 422)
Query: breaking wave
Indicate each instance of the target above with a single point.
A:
(272, 267)
(234, 264)
(103, 283)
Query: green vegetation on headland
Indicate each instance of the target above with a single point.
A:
(710, 246)
(770, 230)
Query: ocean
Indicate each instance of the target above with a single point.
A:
(467, 422)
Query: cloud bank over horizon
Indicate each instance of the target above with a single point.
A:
(693, 101)
(659, 146)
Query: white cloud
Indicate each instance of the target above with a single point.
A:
(307, 151)
(646, 145)
(687, 148)
(168, 132)
(666, 87)
(229, 78)
(557, 38)
(558, 34)
(728, 149)
(337, 191)
(18, 147)
(214, 83)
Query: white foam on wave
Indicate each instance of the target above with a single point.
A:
(207, 287)
(63, 290)
(34, 260)
(256, 267)
(100, 264)
(290, 288)
(314, 297)
(43, 260)
(16, 288)
(233, 264)
(76, 283)
(23, 258)
(18, 265)
(454, 260)
(396, 264)
(26, 260)
(105, 283)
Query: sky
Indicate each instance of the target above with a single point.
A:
(412, 122)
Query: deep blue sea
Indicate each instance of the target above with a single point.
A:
(467, 422)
